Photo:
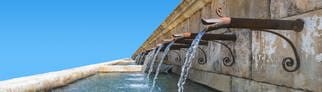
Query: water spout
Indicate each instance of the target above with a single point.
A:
(289, 64)
(188, 61)
(189, 41)
(206, 37)
(165, 52)
(228, 22)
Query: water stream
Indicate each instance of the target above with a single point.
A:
(188, 61)
(153, 61)
(147, 59)
(137, 58)
(165, 52)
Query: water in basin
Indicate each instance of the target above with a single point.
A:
(130, 82)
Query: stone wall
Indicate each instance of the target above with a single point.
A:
(258, 66)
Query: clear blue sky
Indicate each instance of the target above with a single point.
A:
(39, 36)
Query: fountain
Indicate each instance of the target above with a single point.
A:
(213, 24)
(165, 52)
(188, 61)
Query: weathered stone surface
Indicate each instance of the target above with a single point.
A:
(215, 53)
(194, 22)
(201, 60)
(242, 47)
(242, 53)
(213, 80)
(244, 85)
(284, 8)
(247, 8)
(175, 57)
(269, 50)
(176, 69)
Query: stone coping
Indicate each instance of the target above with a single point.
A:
(182, 12)
(50, 80)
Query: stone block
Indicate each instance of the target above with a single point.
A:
(284, 8)
(247, 8)
(269, 50)
(210, 79)
(244, 85)
(213, 80)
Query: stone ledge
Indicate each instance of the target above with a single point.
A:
(47, 81)
(120, 68)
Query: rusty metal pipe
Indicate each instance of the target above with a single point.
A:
(177, 46)
(189, 35)
(189, 41)
(227, 22)
(167, 41)
(187, 38)
(180, 46)
(262, 25)
(231, 37)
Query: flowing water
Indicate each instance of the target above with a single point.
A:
(129, 82)
(139, 82)
(165, 52)
(147, 59)
(153, 61)
(188, 61)
(137, 58)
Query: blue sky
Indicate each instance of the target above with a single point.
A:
(39, 36)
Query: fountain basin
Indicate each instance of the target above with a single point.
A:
(51, 80)
(130, 82)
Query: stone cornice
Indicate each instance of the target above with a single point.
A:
(185, 9)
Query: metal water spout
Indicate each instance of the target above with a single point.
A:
(189, 41)
(177, 46)
(207, 37)
(228, 22)
(187, 37)
(289, 64)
